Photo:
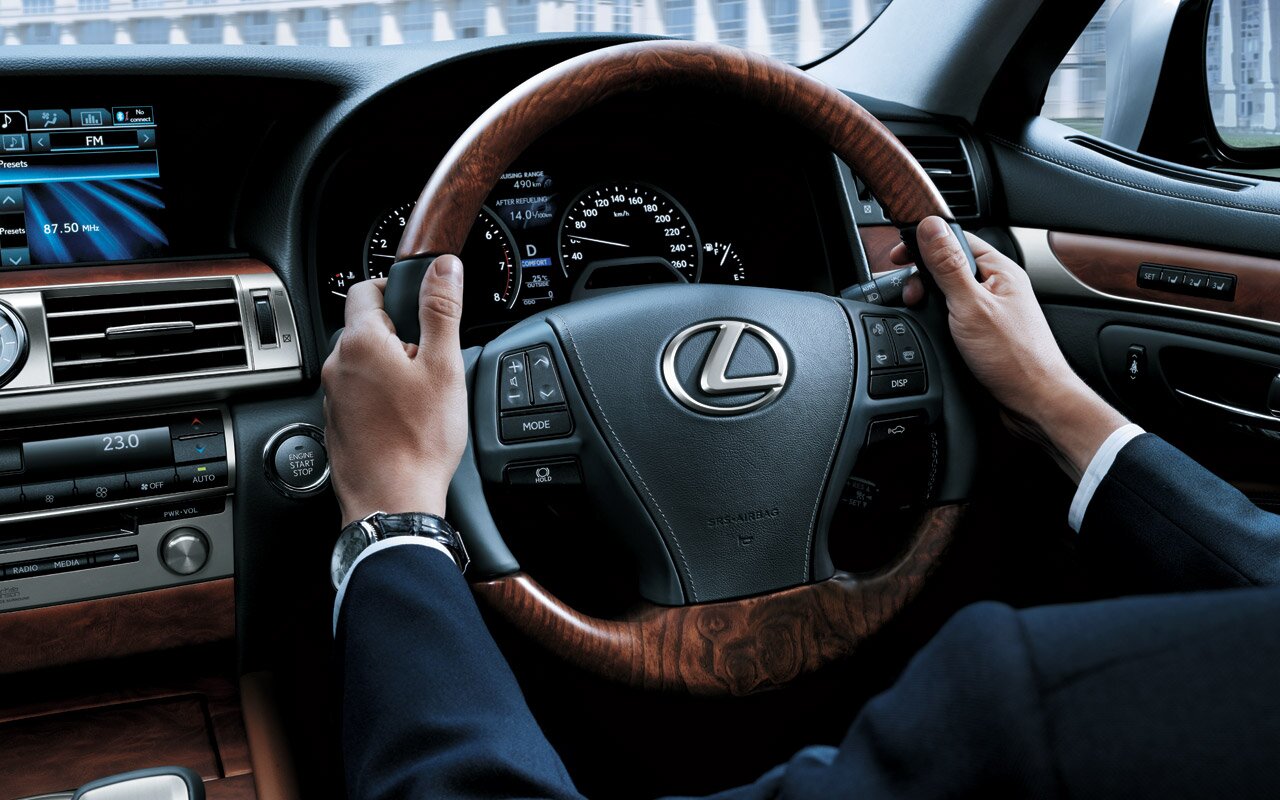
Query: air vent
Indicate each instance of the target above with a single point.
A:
(166, 331)
(947, 163)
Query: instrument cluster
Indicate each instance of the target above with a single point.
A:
(613, 199)
(535, 245)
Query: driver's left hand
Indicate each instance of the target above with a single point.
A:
(396, 413)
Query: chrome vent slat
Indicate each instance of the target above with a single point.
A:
(946, 161)
(162, 331)
(124, 359)
(139, 309)
(81, 337)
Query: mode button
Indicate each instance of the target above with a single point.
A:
(544, 425)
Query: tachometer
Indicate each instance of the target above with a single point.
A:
(489, 256)
(628, 224)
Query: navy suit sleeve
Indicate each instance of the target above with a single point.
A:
(429, 706)
(1162, 522)
(1168, 696)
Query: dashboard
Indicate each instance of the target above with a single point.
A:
(637, 192)
(183, 228)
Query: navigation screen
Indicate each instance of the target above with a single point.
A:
(79, 185)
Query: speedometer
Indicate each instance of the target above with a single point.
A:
(628, 224)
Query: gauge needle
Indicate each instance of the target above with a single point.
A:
(339, 294)
(598, 241)
(726, 254)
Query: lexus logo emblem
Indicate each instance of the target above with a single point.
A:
(712, 380)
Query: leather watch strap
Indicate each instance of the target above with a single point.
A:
(428, 526)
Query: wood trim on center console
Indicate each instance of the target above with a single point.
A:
(736, 647)
(1110, 266)
(113, 627)
(69, 738)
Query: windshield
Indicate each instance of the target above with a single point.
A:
(798, 31)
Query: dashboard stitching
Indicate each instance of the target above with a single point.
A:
(1131, 184)
(835, 444)
(675, 539)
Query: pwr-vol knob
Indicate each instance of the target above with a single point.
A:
(184, 551)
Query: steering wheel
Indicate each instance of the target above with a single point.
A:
(714, 425)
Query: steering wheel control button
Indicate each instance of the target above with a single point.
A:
(513, 383)
(543, 380)
(898, 384)
(905, 345)
(547, 474)
(878, 342)
(102, 489)
(202, 476)
(541, 425)
(151, 482)
(296, 461)
(184, 551)
(201, 448)
(44, 496)
(897, 429)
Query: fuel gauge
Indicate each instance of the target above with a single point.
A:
(721, 263)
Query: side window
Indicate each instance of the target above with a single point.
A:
(1077, 93)
(1242, 65)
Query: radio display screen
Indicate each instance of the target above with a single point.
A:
(79, 185)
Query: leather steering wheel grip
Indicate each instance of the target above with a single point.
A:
(736, 646)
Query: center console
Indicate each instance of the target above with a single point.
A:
(119, 505)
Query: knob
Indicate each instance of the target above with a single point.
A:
(184, 551)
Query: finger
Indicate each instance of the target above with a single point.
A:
(913, 290)
(364, 301)
(944, 257)
(900, 255)
(440, 306)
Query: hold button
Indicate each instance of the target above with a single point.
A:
(549, 473)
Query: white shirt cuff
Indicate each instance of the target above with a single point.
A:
(377, 547)
(1098, 469)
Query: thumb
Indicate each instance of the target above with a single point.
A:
(440, 306)
(945, 257)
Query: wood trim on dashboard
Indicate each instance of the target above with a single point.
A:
(452, 197)
(1110, 266)
(117, 273)
(112, 627)
(736, 647)
(878, 242)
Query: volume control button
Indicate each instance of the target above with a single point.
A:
(184, 551)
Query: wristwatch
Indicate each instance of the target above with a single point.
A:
(379, 525)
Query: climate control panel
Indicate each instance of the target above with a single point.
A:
(90, 509)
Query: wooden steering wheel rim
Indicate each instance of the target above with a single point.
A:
(732, 647)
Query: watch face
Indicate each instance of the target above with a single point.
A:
(351, 543)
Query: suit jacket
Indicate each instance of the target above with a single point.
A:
(1163, 696)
